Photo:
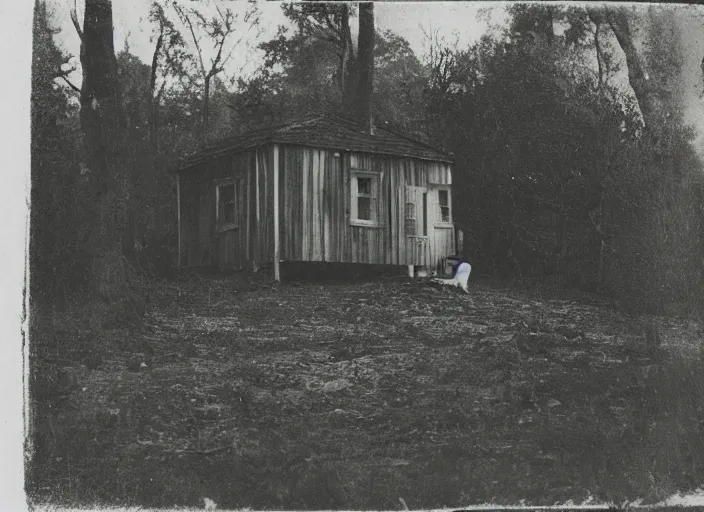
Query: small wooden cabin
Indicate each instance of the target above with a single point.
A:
(321, 189)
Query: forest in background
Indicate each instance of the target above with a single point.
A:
(575, 171)
(564, 174)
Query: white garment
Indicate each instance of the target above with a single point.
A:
(461, 277)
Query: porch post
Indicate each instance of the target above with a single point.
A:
(257, 207)
(277, 248)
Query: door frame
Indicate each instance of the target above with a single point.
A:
(436, 225)
(422, 240)
(222, 228)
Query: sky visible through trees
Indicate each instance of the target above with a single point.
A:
(461, 24)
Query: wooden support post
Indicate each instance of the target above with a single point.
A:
(248, 214)
(277, 248)
(178, 214)
(411, 271)
(257, 233)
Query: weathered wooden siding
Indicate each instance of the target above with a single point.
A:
(263, 197)
(315, 207)
(188, 188)
(201, 242)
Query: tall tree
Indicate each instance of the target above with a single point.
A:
(533, 21)
(361, 108)
(58, 222)
(220, 29)
(323, 27)
(324, 21)
(618, 19)
(103, 126)
(399, 79)
(169, 60)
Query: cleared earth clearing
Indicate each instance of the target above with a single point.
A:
(351, 396)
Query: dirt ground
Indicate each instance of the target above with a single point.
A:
(323, 396)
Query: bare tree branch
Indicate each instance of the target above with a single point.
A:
(596, 18)
(74, 18)
(69, 83)
(214, 64)
(234, 47)
(187, 20)
(155, 60)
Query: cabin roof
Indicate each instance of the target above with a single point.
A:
(322, 131)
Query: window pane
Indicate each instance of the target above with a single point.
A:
(230, 213)
(227, 203)
(227, 193)
(410, 210)
(445, 212)
(364, 186)
(364, 208)
(443, 198)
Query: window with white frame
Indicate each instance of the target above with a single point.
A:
(445, 213)
(226, 199)
(364, 199)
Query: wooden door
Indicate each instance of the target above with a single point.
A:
(441, 229)
(416, 226)
(229, 222)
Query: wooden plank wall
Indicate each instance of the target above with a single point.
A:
(315, 206)
(206, 221)
(201, 243)
(263, 221)
(239, 165)
(190, 210)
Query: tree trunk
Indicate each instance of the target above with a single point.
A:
(206, 106)
(549, 29)
(637, 76)
(347, 61)
(103, 126)
(597, 44)
(153, 101)
(365, 65)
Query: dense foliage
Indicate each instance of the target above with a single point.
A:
(556, 177)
